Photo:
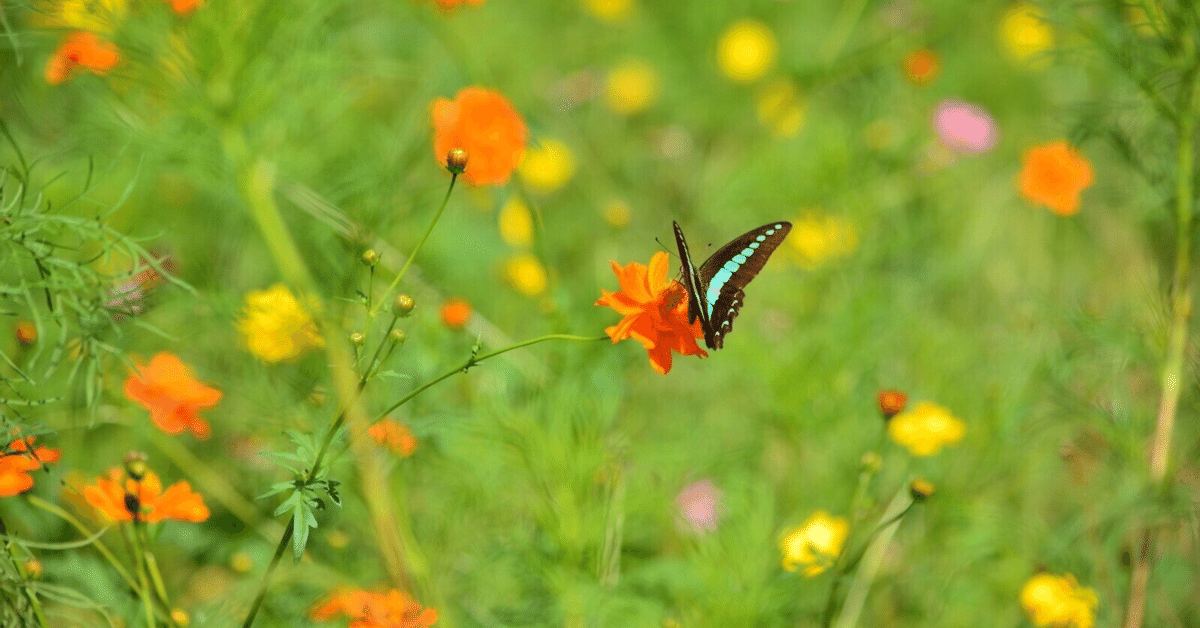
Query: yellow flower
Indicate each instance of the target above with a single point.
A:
(781, 109)
(815, 544)
(925, 429)
(526, 274)
(1058, 602)
(816, 239)
(516, 223)
(548, 166)
(746, 50)
(609, 10)
(617, 213)
(630, 87)
(275, 327)
(1025, 33)
(96, 16)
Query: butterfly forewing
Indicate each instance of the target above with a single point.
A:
(722, 277)
(691, 280)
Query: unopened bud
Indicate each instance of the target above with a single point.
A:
(135, 465)
(370, 258)
(456, 161)
(397, 336)
(404, 305)
(921, 490)
(357, 339)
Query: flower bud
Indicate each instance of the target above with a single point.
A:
(404, 305)
(370, 258)
(921, 490)
(357, 339)
(397, 336)
(891, 403)
(456, 161)
(135, 465)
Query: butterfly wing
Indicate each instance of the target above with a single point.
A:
(691, 281)
(720, 280)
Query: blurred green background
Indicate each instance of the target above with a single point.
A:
(912, 266)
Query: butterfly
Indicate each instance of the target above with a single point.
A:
(715, 289)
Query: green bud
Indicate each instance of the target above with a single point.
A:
(404, 305)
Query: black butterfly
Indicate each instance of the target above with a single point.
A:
(715, 289)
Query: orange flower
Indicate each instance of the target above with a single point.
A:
(892, 402)
(81, 49)
(1054, 175)
(655, 312)
(145, 499)
(167, 389)
(455, 313)
(920, 67)
(17, 460)
(375, 610)
(483, 123)
(395, 436)
(450, 4)
(184, 7)
(26, 332)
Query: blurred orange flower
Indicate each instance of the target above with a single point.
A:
(185, 6)
(455, 313)
(174, 398)
(81, 49)
(921, 67)
(395, 436)
(892, 402)
(17, 460)
(1055, 175)
(655, 311)
(144, 500)
(450, 4)
(375, 610)
(483, 123)
(26, 332)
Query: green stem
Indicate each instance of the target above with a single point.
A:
(476, 359)
(412, 255)
(871, 559)
(266, 581)
(134, 533)
(38, 502)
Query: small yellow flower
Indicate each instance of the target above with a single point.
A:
(547, 166)
(816, 239)
(631, 86)
(815, 544)
(275, 327)
(609, 10)
(96, 16)
(1058, 602)
(617, 213)
(1025, 33)
(781, 109)
(746, 50)
(526, 274)
(925, 429)
(516, 223)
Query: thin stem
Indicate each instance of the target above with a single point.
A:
(134, 534)
(476, 359)
(412, 255)
(1181, 312)
(38, 502)
(871, 559)
(266, 581)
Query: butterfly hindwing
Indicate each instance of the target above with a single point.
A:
(715, 290)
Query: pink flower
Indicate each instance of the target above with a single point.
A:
(698, 503)
(964, 127)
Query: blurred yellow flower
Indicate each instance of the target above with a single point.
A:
(526, 274)
(815, 544)
(97, 16)
(1025, 33)
(617, 213)
(925, 429)
(1143, 23)
(746, 50)
(610, 10)
(516, 223)
(631, 86)
(1058, 602)
(781, 108)
(548, 166)
(816, 239)
(275, 327)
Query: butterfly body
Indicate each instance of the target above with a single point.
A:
(715, 288)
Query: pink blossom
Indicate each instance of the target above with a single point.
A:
(964, 127)
(698, 504)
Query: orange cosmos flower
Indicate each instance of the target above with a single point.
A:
(17, 460)
(375, 610)
(184, 7)
(144, 500)
(395, 436)
(174, 398)
(655, 312)
(921, 67)
(1054, 175)
(891, 403)
(455, 313)
(81, 49)
(484, 124)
